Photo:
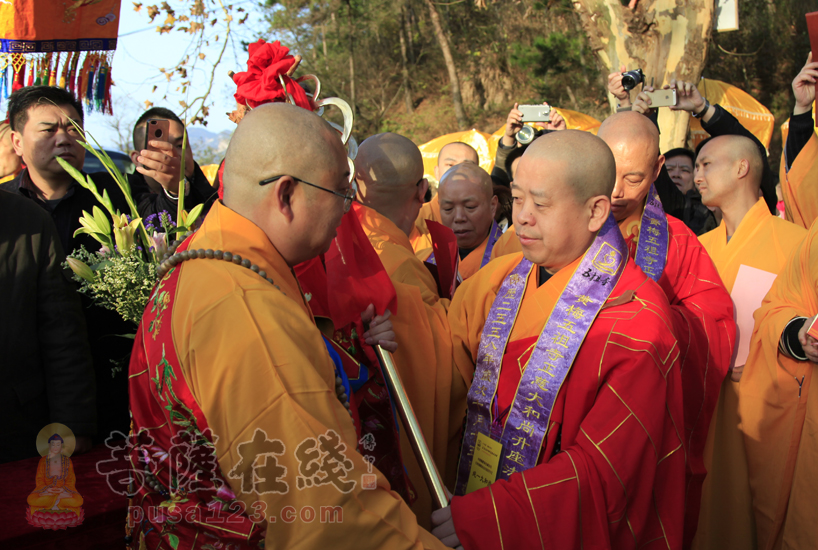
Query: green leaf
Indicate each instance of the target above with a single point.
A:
(73, 172)
(102, 220)
(173, 540)
(128, 336)
(180, 206)
(102, 265)
(193, 215)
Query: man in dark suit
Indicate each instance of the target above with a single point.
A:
(46, 372)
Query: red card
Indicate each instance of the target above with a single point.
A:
(444, 247)
(812, 29)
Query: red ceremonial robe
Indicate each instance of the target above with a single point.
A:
(617, 479)
(704, 327)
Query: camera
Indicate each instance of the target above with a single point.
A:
(527, 134)
(631, 79)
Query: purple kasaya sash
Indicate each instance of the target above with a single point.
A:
(557, 346)
(494, 236)
(651, 250)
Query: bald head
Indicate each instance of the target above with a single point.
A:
(634, 142)
(467, 204)
(389, 160)
(300, 210)
(262, 146)
(592, 177)
(737, 149)
(631, 127)
(470, 172)
(389, 172)
(561, 203)
(728, 172)
(453, 154)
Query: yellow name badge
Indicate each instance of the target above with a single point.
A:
(484, 464)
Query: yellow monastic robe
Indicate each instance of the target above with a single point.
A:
(471, 263)
(254, 359)
(468, 265)
(435, 388)
(419, 237)
(764, 242)
(507, 244)
(800, 184)
(396, 253)
(778, 409)
(424, 356)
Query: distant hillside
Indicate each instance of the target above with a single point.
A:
(208, 147)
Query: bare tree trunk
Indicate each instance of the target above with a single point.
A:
(324, 43)
(665, 38)
(407, 89)
(351, 23)
(454, 82)
(407, 27)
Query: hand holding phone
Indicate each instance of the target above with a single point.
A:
(535, 113)
(160, 162)
(156, 130)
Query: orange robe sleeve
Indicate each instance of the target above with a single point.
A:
(254, 360)
(396, 253)
(471, 263)
(617, 481)
(800, 184)
(704, 327)
(419, 236)
(778, 410)
(507, 244)
(434, 387)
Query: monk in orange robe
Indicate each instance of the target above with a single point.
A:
(752, 241)
(389, 173)
(231, 381)
(799, 159)
(670, 254)
(778, 405)
(574, 374)
(391, 186)
(467, 207)
(450, 155)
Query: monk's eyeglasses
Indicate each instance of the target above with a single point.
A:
(348, 195)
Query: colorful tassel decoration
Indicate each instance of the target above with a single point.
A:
(64, 73)
(99, 92)
(52, 73)
(31, 71)
(107, 103)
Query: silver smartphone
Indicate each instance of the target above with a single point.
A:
(535, 113)
(662, 98)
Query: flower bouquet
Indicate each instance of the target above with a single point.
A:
(121, 274)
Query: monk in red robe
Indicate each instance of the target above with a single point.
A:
(574, 429)
(670, 254)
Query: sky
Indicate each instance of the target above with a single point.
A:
(141, 52)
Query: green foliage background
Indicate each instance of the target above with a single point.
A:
(510, 51)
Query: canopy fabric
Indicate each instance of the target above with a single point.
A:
(67, 44)
(486, 144)
(477, 139)
(753, 115)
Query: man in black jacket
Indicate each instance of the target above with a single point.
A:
(46, 373)
(41, 120)
(158, 171)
